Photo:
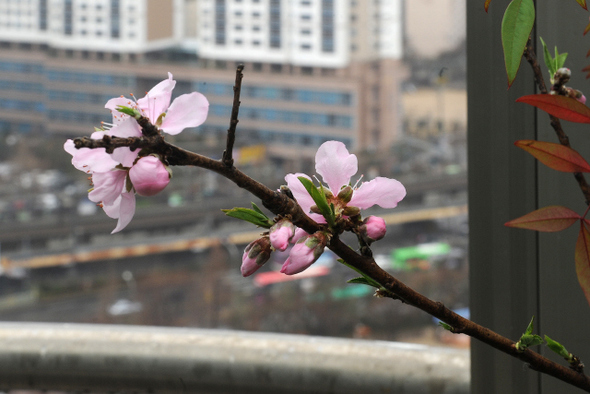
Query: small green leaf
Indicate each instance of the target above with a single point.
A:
(249, 215)
(557, 348)
(320, 199)
(365, 279)
(528, 339)
(360, 280)
(549, 61)
(517, 24)
(255, 207)
(559, 59)
(445, 326)
(529, 328)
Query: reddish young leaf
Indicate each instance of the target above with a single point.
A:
(583, 260)
(487, 5)
(549, 219)
(555, 156)
(583, 4)
(561, 107)
(587, 29)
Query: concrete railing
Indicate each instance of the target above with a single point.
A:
(79, 357)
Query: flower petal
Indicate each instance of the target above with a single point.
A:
(149, 176)
(157, 100)
(335, 164)
(188, 110)
(380, 191)
(299, 192)
(107, 186)
(126, 211)
(90, 160)
(113, 103)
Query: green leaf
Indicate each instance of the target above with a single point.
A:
(320, 199)
(528, 339)
(360, 280)
(249, 215)
(516, 27)
(549, 61)
(557, 348)
(559, 59)
(582, 3)
(445, 326)
(529, 328)
(365, 279)
(255, 207)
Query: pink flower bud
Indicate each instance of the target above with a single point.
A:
(581, 99)
(281, 233)
(305, 252)
(149, 176)
(373, 229)
(299, 232)
(255, 255)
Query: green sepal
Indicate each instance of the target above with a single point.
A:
(445, 326)
(249, 215)
(129, 111)
(360, 280)
(557, 348)
(319, 197)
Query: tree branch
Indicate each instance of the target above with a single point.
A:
(233, 122)
(280, 203)
(530, 56)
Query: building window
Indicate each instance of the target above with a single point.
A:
(256, 43)
(275, 23)
(42, 14)
(220, 22)
(305, 17)
(115, 19)
(255, 28)
(256, 14)
(238, 27)
(238, 13)
(305, 32)
(328, 26)
(238, 41)
(306, 47)
(68, 23)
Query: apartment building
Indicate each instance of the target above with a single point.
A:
(315, 69)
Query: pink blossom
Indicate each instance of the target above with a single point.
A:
(336, 166)
(187, 110)
(304, 253)
(149, 176)
(373, 229)
(255, 255)
(281, 233)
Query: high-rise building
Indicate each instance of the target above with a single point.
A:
(322, 33)
(315, 69)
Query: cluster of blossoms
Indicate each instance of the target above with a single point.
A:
(336, 166)
(118, 176)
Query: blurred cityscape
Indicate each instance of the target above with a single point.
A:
(365, 72)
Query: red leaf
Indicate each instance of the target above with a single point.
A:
(555, 156)
(583, 4)
(561, 107)
(583, 260)
(549, 219)
(487, 5)
(587, 29)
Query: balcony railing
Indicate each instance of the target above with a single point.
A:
(92, 358)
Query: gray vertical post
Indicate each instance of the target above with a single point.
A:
(516, 274)
(502, 186)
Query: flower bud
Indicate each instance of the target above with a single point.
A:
(299, 232)
(305, 252)
(255, 255)
(373, 229)
(351, 211)
(149, 176)
(562, 75)
(345, 195)
(281, 233)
